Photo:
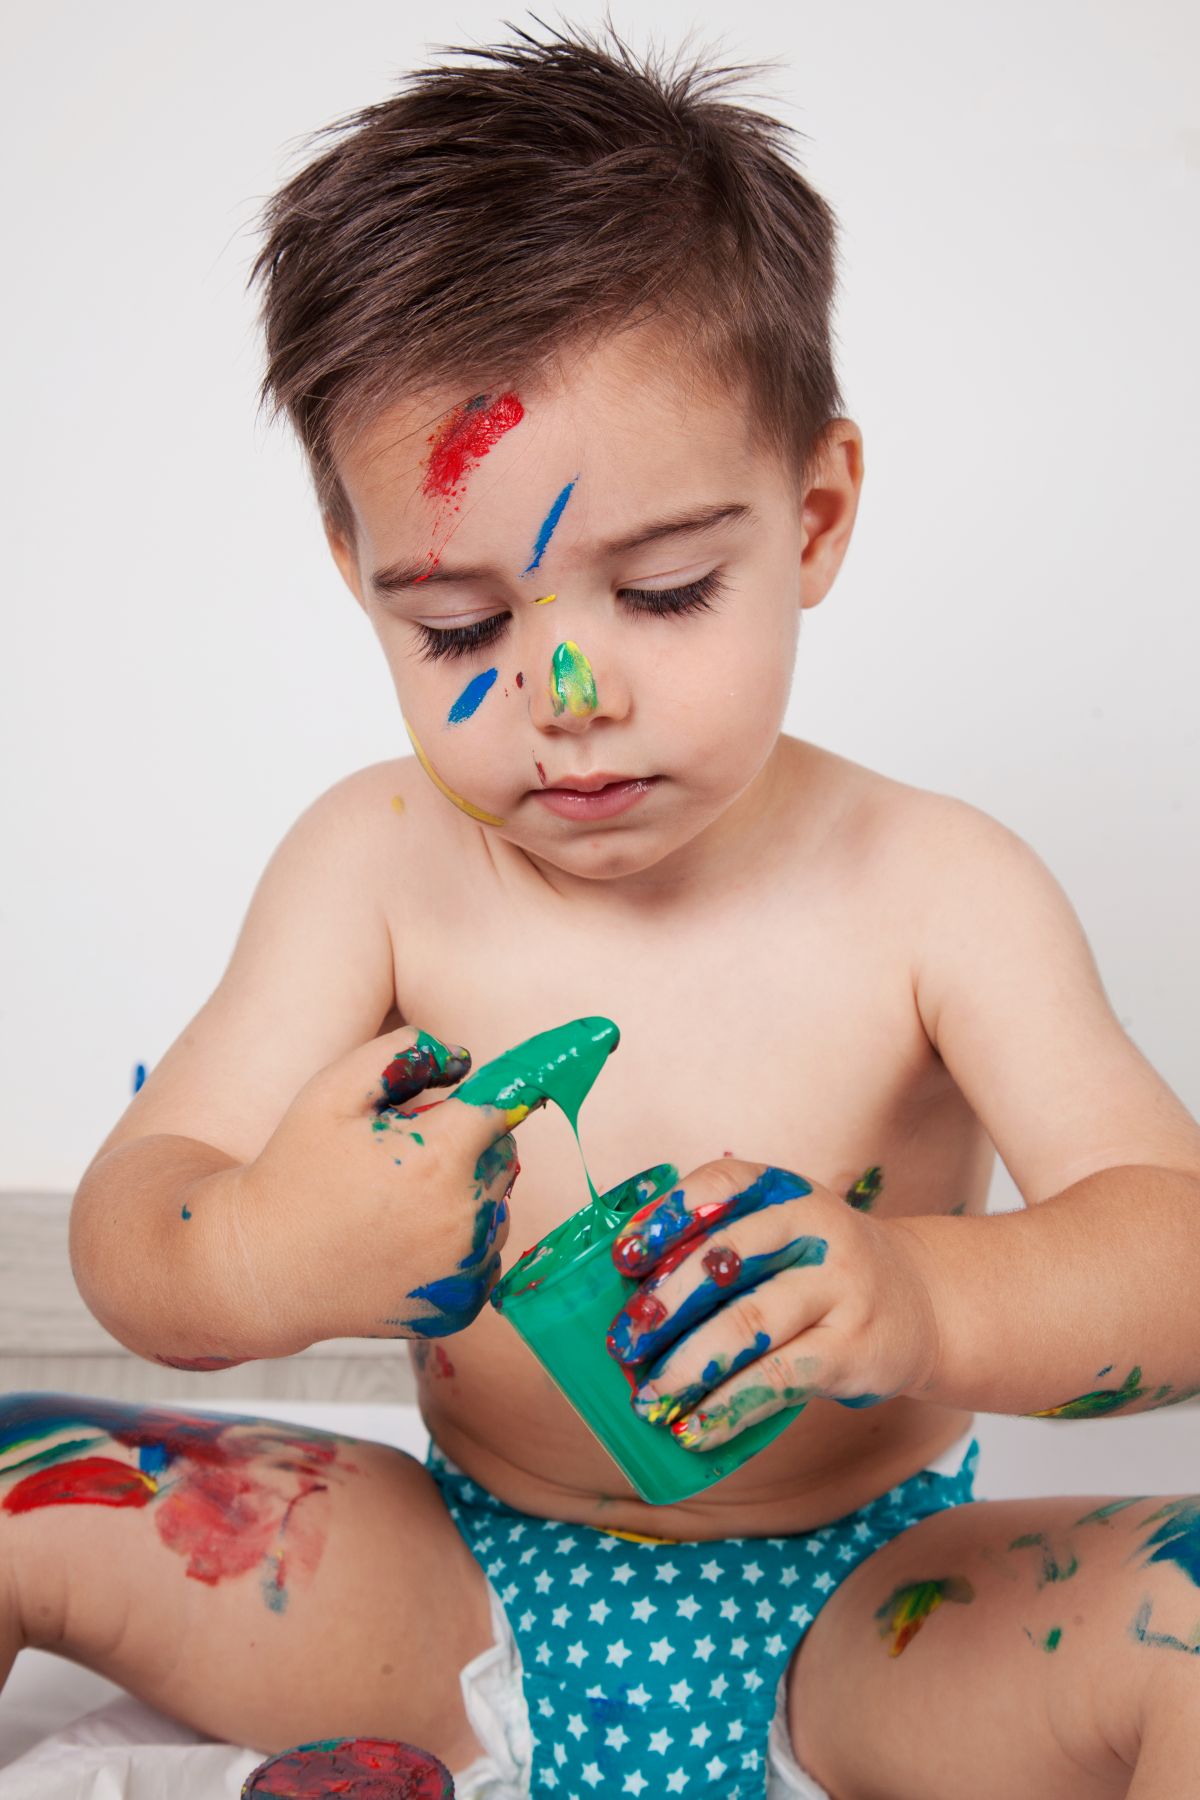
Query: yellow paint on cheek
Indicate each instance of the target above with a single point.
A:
(473, 812)
(545, 599)
(397, 803)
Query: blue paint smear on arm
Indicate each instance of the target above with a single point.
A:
(139, 1076)
(548, 523)
(471, 695)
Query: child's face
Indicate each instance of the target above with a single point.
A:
(562, 656)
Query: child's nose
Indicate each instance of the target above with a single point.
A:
(572, 691)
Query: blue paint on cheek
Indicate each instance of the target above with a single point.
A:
(548, 524)
(468, 701)
(153, 1458)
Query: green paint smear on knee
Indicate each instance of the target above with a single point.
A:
(559, 1065)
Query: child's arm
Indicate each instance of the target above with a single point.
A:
(1085, 1302)
(181, 1246)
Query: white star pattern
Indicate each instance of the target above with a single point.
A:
(636, 1718)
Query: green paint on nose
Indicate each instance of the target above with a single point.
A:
(572, 684)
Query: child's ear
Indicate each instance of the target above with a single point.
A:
(345, 558)
(830, 507)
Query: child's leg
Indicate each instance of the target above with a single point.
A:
(261, 1582)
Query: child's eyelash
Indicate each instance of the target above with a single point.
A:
(457, 640)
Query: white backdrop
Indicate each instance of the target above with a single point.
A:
(1016, 621)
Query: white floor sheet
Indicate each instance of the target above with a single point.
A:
(67, 1734)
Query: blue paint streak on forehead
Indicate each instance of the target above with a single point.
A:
(548, 523)
(471, 695)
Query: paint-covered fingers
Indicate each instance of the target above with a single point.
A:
(780, 1378)
(424, 1061)
(749, 1328)
(703, 1273)
(711, 1195)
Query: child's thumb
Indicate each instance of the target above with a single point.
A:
(410, 1061)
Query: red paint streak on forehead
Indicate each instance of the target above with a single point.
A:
(467, 435)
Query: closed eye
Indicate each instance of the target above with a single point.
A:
(458, 640)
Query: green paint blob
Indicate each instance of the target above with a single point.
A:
(1053, 1638)
(563, 1294)
(572, 684)
(559, 1065)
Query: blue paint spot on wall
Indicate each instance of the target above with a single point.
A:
(471, 695)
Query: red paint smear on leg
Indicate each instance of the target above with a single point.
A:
(359, 1768)
(87, 1481)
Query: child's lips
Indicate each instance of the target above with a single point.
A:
(600, 803)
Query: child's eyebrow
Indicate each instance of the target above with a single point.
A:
(404, 574)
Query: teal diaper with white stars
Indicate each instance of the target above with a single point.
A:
(651, 1667)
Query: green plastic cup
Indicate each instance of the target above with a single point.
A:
(562, 1296)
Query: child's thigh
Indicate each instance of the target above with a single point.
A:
(1001, 1647)
(262, 1582)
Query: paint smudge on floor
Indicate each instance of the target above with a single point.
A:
(469, 700)
(546, 529)
(905, 1612)
(353, 1768)
(217, 1484)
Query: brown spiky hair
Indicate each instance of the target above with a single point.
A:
(487, 219)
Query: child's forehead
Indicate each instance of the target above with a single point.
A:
(619, 423)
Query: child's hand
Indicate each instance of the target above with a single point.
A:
(374, 1213)
(764, 1290)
